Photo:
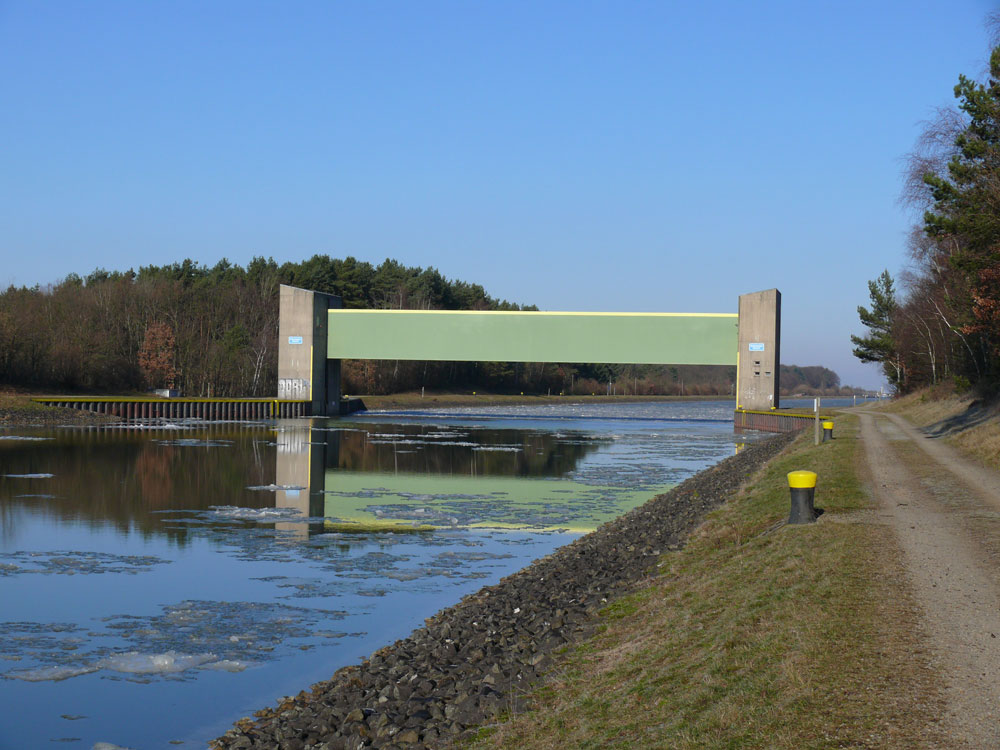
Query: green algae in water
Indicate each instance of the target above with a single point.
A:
(395, 500)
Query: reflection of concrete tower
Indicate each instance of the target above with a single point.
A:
(299, 463)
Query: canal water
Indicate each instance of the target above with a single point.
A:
(159, 581)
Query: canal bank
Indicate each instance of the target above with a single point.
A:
(768, 636)
(477, 659)
(18, 409)
(750, 634)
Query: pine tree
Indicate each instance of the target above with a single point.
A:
(965, 208)
(879, 345)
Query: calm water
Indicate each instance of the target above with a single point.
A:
(160, 581)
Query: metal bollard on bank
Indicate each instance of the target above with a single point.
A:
(802, 485)
(827, 431)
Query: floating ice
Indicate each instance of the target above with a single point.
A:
(170, 662)
(50, 674)
(226, 665)
(29, 476)
(277, 487)
(196, 443)
(256, 514)
(56, 562)
(109, 746)
(415, 441)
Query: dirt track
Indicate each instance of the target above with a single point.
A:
(945, 511)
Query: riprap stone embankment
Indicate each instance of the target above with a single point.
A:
(477, 658)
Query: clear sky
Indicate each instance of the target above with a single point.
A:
(624, 156)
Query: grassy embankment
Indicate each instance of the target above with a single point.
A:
(17, 408)
(967, 424)
(752, 635)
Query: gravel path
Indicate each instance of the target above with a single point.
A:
(945, 511)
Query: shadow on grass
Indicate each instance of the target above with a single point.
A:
(978, 413)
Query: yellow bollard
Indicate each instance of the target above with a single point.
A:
(802, 485)
(827, 431)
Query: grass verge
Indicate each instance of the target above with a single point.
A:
(754, 635)
(974, 427)
(17, 408)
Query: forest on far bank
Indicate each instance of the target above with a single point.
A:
(213, 331)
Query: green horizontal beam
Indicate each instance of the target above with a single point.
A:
(467, 336)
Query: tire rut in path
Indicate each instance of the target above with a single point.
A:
(954, 582)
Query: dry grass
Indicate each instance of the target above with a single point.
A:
(981, 442)
(17, 408)
(11, 398)
(795, 637)
(924, 408)
(979, 438)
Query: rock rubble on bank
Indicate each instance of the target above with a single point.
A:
(477, 658)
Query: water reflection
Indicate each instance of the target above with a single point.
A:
(122, 477)
(205, 566)
(127, 477)
(300, 468)
(447, 449)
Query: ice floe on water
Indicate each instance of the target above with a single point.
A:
(75, 563)
(176, 644)
(226, 665)
(196, 443)
(376, 573)
(155, 424)
(263, 515)
(49, 674)
(29, 476)
(169, 662)
(381, 440)
(277, 487)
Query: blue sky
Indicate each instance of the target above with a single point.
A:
(630, 156)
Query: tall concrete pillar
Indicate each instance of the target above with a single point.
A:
(303, 370)
(759, 351)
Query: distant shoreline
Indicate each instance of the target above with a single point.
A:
(17, 408)
(414, 400)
